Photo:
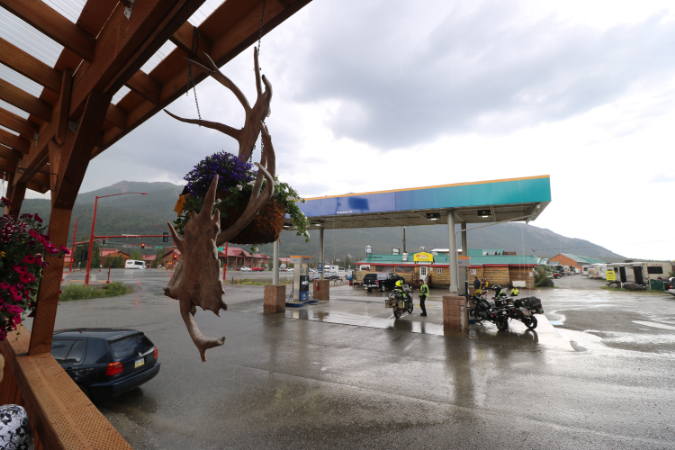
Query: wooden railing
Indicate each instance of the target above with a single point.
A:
(61, 416)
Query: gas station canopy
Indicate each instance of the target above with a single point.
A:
(513, 199)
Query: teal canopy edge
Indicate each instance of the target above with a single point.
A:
(502, 192)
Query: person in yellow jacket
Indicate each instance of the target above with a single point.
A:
(424, 292)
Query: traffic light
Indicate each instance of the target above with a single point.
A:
(166, 236)
(142, 246)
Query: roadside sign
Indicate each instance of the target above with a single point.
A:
(611, 275)
(320, 268)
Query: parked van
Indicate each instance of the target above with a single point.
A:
(134, 264)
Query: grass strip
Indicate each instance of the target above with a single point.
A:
(256, 282)
(82, 292)
(608, 288)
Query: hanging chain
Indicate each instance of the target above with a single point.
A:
(262, 22)
(191, 80)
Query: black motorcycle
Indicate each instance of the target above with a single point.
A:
(525, 309)
(492, 312)
(400, 301)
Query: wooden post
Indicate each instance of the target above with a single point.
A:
(15, 194)
(48, 296)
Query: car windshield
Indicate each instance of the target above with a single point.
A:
(130, 344)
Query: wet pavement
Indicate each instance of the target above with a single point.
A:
(597, 373)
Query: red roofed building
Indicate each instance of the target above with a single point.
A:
(238, 257)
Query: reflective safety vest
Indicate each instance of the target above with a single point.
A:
(424, 289)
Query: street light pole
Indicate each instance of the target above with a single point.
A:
(93, 225)
(72, 249)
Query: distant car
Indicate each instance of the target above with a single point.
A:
(245, 269)
(331, 276)
(558, 275)
(106, 361)
(669, 283)
(313, 276)
(258, 269)
(133, 264)
(381, 280)
(289, 270)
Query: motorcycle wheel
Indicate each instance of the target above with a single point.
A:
(474, 316)
(503, 323)
(533, 323)
(397, 313)
(410, 307)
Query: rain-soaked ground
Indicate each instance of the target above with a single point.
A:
(596, 373)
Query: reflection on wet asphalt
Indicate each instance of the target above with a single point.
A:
(345, 374)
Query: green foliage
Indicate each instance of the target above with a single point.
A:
(541, 278)
(82, 292)
(137, 255)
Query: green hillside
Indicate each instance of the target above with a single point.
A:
(140, 214)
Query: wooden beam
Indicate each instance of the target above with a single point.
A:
(14, 142)
(9, 155)
(285, 3)
(125, 45)
(183, 39)
(15, 123)
(116, 116)
(29, 66)
(75, 160)
(55, 153)
(146, 86)
(24, 101)
(15, 193)
(49, 22)
(64, 106)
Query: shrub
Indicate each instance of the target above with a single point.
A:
(82, 292)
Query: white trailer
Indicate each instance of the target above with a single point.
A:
(640, 271)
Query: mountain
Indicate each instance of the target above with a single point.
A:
(140, 214)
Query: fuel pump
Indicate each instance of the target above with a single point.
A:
(301, 280)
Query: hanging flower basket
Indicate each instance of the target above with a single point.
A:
(22, 247)
(235, 185)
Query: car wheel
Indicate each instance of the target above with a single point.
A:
(382, 288)
(370, 289)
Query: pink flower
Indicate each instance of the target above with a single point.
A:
(34, 233)
(45, 264)
(27, 277)
(65, 250)
(51, 249)
(6, 202)
(16, 319)
(17, 297)
(14, 309)
(19, 269)
(4, 285)
(37, 218)
(29, 259)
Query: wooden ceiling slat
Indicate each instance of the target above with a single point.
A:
(146, 86)
(95, 14)
(18, 124)
(49, 22)
(24, 101)
(9, 155)
(14, 142)
(29, 66)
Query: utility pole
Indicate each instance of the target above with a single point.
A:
(404, 240)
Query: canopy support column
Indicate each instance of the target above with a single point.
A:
(465, 252)
(275, 263)
(321, 251)
(452, 254)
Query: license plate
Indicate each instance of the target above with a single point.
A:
(139, 363)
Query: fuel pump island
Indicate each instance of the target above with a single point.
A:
(300, 281)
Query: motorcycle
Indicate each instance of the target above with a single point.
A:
(493, 312)
(525, 309)
(399, 301)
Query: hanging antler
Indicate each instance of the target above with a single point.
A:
(196, 280)
(255, 116)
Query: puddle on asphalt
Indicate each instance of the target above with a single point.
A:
(655, 325)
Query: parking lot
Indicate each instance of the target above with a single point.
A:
(597, 373)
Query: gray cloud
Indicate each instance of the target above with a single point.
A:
(407, 77)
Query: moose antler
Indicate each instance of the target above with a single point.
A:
(255, 116)
(195, 281)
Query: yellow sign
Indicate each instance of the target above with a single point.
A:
(611, 275)
(424, 257)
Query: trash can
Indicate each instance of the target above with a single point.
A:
(656, 285)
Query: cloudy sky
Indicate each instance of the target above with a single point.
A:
(375, 94)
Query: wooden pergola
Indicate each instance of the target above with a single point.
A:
(48, 148)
